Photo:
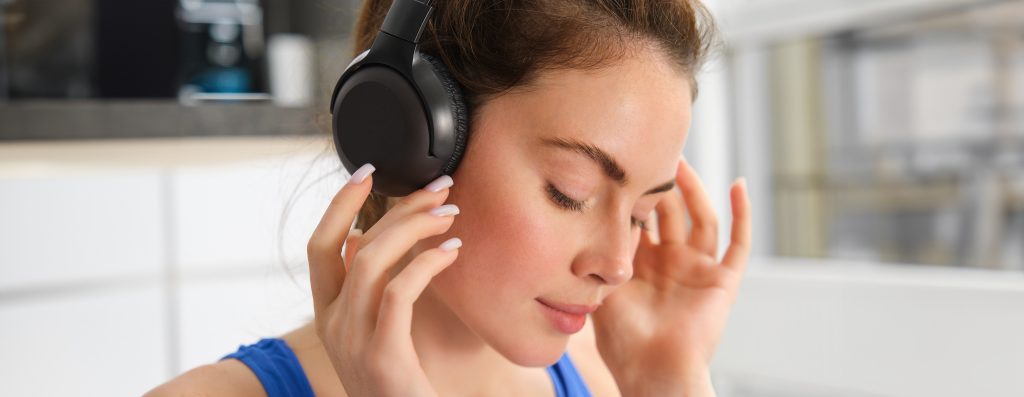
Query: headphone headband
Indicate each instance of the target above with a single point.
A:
(406, 19)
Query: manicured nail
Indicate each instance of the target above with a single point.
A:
(451, 244)
(445, 210)
(442, 182)
(360, 175)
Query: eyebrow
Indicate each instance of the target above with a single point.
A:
(605, 161)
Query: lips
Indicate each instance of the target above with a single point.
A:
(569, 308)
(567, 318)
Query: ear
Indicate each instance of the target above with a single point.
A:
(352, 246)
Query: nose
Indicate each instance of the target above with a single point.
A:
(609, 256)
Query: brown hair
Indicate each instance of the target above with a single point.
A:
(492, 47)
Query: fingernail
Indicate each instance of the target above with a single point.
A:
(742, 181)
(445, 210)
(360, 175)
(442, 182)
(451, 244)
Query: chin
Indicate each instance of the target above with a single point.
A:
(531, 349)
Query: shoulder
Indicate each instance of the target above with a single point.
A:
(583, 352)
(233, 378)
(225, 378)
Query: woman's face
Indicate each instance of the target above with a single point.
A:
(521, 248)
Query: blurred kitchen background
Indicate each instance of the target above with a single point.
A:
(162, 164)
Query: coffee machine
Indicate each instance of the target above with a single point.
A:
(222, 48)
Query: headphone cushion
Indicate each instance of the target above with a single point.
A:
(457, 102)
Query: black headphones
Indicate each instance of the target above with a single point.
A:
(398, 108)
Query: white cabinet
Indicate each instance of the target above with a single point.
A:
(230, 216)
(84, 343)
(218, 315)
(123, 264)
(75, 229)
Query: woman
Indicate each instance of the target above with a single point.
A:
(578, 111)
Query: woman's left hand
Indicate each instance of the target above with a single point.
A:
(658, 332)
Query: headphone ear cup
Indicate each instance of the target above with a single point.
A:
(459, 110)
(379, 118)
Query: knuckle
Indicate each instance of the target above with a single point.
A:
(432, 223)
(366, 255)
(393, 295)
(401, 205)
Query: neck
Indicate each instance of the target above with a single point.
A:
(448, 349)
(436, 327)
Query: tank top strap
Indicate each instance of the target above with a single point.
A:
(281, 374)
(276, 366)
(567, 380)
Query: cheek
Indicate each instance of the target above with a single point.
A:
(511, 245)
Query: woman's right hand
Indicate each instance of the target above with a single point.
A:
(363, 316)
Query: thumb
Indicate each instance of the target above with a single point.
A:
(351, 247)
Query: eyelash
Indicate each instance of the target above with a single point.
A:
(567, 203)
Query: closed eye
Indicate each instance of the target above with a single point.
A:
(567, 203)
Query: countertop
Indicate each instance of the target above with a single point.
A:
(78, 119)
(35, 158)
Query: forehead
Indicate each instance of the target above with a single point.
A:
(637, 108)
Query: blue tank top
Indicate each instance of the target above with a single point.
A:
(278, 369)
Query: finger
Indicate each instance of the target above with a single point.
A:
(326, 271)
(704, 235)
(370, 266)
(644, 248)
(394, 322)
(739, 247)
(649, 237)
(430, 196)
(671, 218)
(352, 246)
